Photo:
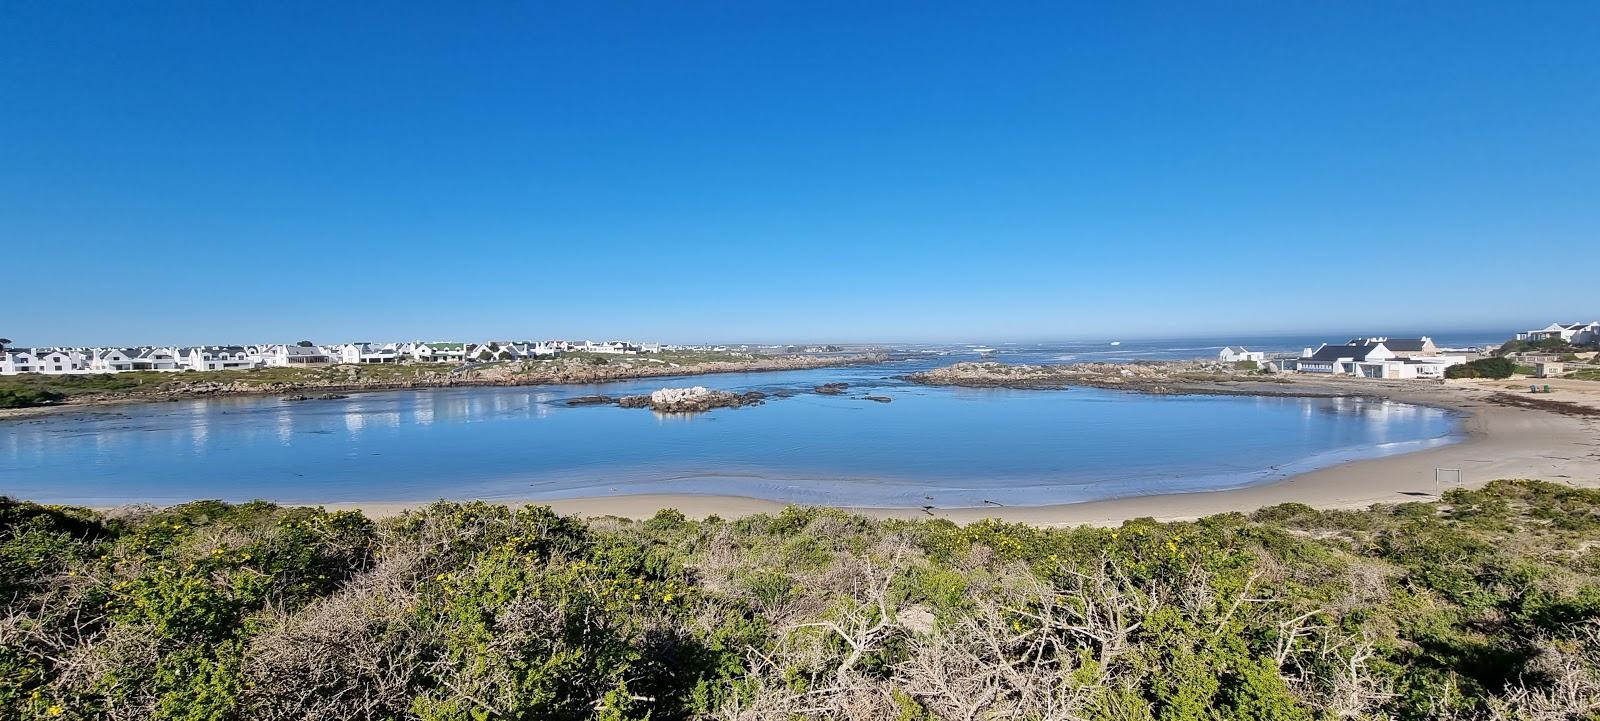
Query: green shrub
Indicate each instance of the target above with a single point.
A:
(1482, 368)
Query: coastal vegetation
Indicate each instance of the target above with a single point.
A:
(28, 397)
(1495, 368)
(1547, 345)
(1482, 605)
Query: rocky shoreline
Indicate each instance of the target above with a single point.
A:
(557, 372)
(1157, 377)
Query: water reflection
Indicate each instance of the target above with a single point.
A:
(963, 446)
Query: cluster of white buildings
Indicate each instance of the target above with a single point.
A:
(1387, 358)
(67, 360)
(1574, 333)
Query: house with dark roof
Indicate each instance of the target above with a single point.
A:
(1388, 358)
(217, 358)
(49, 361)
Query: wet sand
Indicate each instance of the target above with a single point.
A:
(1501, 442)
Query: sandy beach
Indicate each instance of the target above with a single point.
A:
(1501, 441)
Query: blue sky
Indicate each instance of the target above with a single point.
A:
(210, 172)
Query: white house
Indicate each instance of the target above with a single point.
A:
(17, 360)
(156, 359)
(217, 358)
(112, 360)
(366, 353)
(1574, 333)
(49, 361)
(1232, 354)
(436, 352)
(1390, 358)
(282, 355)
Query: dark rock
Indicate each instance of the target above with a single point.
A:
(832, 389)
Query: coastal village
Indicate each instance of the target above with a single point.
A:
(1548, 352)
(97, 360)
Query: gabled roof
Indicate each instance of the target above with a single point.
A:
(1328, 353)
(1402, 345)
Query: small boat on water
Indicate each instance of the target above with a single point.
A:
(1116, 342)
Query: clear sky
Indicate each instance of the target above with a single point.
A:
(244, 172)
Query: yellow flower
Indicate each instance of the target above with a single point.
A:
(55, 710)
(667, 598)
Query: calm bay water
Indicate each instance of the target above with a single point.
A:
(938, 446)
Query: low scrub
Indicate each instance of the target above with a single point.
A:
(28, 397)
(1482, 368)
(1485, 605)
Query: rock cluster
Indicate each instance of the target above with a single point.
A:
(692, 400)
(831, 389)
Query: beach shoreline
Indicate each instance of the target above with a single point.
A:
(1500, 441)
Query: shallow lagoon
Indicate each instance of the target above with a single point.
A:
(930, 446)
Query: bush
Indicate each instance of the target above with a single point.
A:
(1490, 599)
(28, 397)
(1482, 368)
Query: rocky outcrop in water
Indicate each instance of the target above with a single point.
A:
(321, 397)
(1166, 377)
(692, 400)
(831, 389)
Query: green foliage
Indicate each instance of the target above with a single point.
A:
(1482, 368)
(478, 611)
(28, 397)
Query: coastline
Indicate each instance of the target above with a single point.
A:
(89, 403)
(1501, 441)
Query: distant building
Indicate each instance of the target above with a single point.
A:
(1385, 358)
(1574, 333)
(282, 355)
(436, 352)
(217, 358)
(1232, 354)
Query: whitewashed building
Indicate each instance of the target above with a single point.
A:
(217, 358)
(48, 361)
(1385, 358)
(366, 353)
(438, 352)
(282, 355)
(112, 360)
(1574, 333)
(1236, 354)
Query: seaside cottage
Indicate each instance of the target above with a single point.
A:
(157, 359)
(1574, 333)
(48, 361)
(1385, 358)
(437, 352)
(1232, 354)
(16, 360)
(285, 356)
(367, 353)
(216, 358)
(112, 360)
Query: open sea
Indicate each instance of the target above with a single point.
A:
(945, 447)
